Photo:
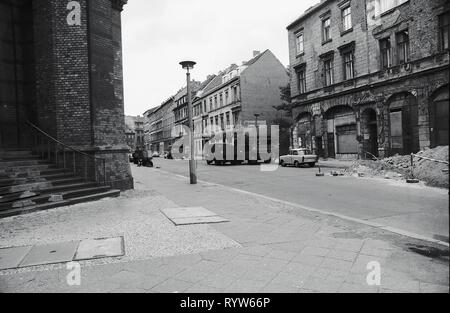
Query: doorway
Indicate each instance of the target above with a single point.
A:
(370, 133)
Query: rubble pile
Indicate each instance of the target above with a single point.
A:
(399, 167)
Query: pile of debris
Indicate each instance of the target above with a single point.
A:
(399, 167)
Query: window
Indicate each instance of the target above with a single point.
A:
(301, 81)
(235, 94)
(349, 72)
(347, 19)
(227, 98)
(235, 118)
(444, 30)
(228, 119)
(300, 43)
(385, 49)
(382, 6)
(221, 99)
(211, 104)
(215, 102)
(222, 125)
(328, 72)
(204, 106)
(403, 47)
(326, 25)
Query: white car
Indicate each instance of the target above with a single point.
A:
(299, 157)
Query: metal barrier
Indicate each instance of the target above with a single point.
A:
(68, 158)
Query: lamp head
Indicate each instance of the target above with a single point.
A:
(187, 65)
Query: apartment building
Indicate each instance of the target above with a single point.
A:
(134, 132)
(161, 122)
(237, 95)
(370, 77)
(181, 112)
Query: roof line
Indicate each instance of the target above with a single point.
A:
(307, 13)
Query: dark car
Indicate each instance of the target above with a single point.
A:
(141, 158)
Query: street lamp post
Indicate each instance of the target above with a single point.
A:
(187, 65)
(257, 135)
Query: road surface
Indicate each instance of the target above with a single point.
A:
(413, 208)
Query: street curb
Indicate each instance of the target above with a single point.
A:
(344, 217)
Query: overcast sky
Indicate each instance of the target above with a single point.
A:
(158, 34)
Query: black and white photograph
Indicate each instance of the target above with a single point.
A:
(224, 153)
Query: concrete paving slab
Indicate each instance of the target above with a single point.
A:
(199, 220)
(50, 254)
(187, 212)
(192, 215)
(11, 257)
(100, 248)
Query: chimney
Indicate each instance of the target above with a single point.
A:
(256, 53)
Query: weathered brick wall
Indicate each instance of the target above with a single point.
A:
(63, 73)
(107, 90)
(313, 44)
(16, 71)
(373, 87)
(80, 84)
(421, 20)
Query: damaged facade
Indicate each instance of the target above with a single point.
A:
(374, 80)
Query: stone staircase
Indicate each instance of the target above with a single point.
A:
(29, 184)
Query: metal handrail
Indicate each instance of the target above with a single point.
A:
(48, 153)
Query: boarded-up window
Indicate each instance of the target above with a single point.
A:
(346, 139)
(441, 104)
(396, 129)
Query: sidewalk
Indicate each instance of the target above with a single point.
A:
(334, 163)
(266, 246)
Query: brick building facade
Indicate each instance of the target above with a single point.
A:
(370, 77)
(61, 68)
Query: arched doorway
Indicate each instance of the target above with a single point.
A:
(403, 124)
(369, 131)
(342, 140)
(440, 104)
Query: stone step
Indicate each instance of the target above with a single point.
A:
(20, 158)
(18, 170)
(15, 153)
(37, 186)
(5, 164)
(23, 194)
(47, 206)
(4, 182)
(43, 198)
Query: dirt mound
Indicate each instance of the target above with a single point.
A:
(399, 167)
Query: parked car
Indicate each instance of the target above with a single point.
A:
(155, 154)
(299, 157)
